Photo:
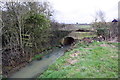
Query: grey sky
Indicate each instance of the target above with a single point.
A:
(83, 11)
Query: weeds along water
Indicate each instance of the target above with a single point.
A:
(38, 66)
(95, 60)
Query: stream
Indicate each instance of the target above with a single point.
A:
(36, 67)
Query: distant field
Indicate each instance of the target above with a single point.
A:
(76, 27)
(84, 26)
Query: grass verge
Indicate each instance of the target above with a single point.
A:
(95, 60)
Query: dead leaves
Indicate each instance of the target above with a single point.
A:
(71, 61)
(74, 55)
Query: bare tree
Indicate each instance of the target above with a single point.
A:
(14, 15)
(99, 16)
(107, 30)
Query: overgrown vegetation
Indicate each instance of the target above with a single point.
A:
(107, 30)
(37, 26)
(27, 31)
(95, 60)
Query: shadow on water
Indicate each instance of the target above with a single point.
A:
(37, 67)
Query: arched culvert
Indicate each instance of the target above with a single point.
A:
(67, 41)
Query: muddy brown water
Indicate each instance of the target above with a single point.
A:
(35, 68)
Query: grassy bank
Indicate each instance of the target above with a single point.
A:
(95, 60)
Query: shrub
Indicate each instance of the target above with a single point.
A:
(102, 29)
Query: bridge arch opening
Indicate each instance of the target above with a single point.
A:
(67, 41)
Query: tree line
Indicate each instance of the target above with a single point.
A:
(26, 31)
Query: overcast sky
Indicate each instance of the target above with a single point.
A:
(83, 11)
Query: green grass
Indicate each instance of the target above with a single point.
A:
(84, 26)
(81, 35)
(37, 57)
(96, 60)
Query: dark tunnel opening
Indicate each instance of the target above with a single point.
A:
(67, 41)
